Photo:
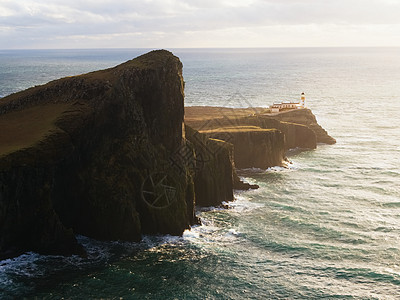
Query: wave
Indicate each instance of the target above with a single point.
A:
(391, 204)
(384, 229)
(212, 236)
(20, 276)
(361, 274)
(254, 170)
(217, 224)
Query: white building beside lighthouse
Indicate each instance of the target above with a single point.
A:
(286, 105)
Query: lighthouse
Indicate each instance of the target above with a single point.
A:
(286, 105)
(303, 100)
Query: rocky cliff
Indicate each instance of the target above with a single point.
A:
(296, 135)
(104, 155)
(213, 169)
(300, 127)
(307, 118)
(252, 146)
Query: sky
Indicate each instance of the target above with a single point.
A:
(63, 24)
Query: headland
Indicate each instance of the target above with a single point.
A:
(114, 154)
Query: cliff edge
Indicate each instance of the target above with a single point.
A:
(253, 147)
(307, 118)
(299, 126)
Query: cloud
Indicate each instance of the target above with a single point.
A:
(45, 23)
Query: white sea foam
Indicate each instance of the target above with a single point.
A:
(244, 203)
(211, 231)
(190, 234)
(23, 265)
(210, 234)
(289, 167)
(276, 169)
(233, 232)
(251, 170)
(392, 271)
(152, 241)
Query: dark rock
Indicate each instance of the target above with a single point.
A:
(307, 118)
(252, 146)
(238, 184)
(213, 169)
(91, 154)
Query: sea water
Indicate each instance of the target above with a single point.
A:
(328, 226)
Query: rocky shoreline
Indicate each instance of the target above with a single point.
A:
(109, 155)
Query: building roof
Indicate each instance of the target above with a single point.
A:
(285, 103)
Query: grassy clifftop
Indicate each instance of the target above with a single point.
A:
(25, 128)
(300, 126)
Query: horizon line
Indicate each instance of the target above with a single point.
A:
(194, 48)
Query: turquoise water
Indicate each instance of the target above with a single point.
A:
(326, 227)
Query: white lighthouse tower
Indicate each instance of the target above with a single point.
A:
(303, 100)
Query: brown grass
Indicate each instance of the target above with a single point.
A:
(201, 113)
(23, 129)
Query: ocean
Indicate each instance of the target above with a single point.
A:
(326, 227)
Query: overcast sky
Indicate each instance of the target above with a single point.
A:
(198, 23)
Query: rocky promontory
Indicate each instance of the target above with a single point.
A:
(299, 126)
(307, 118)
(107, 155)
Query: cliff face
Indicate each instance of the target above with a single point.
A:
(213, 169)
(300, 127)
(307, 118)
(252, 146)
(96, 154)
(296, 135)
